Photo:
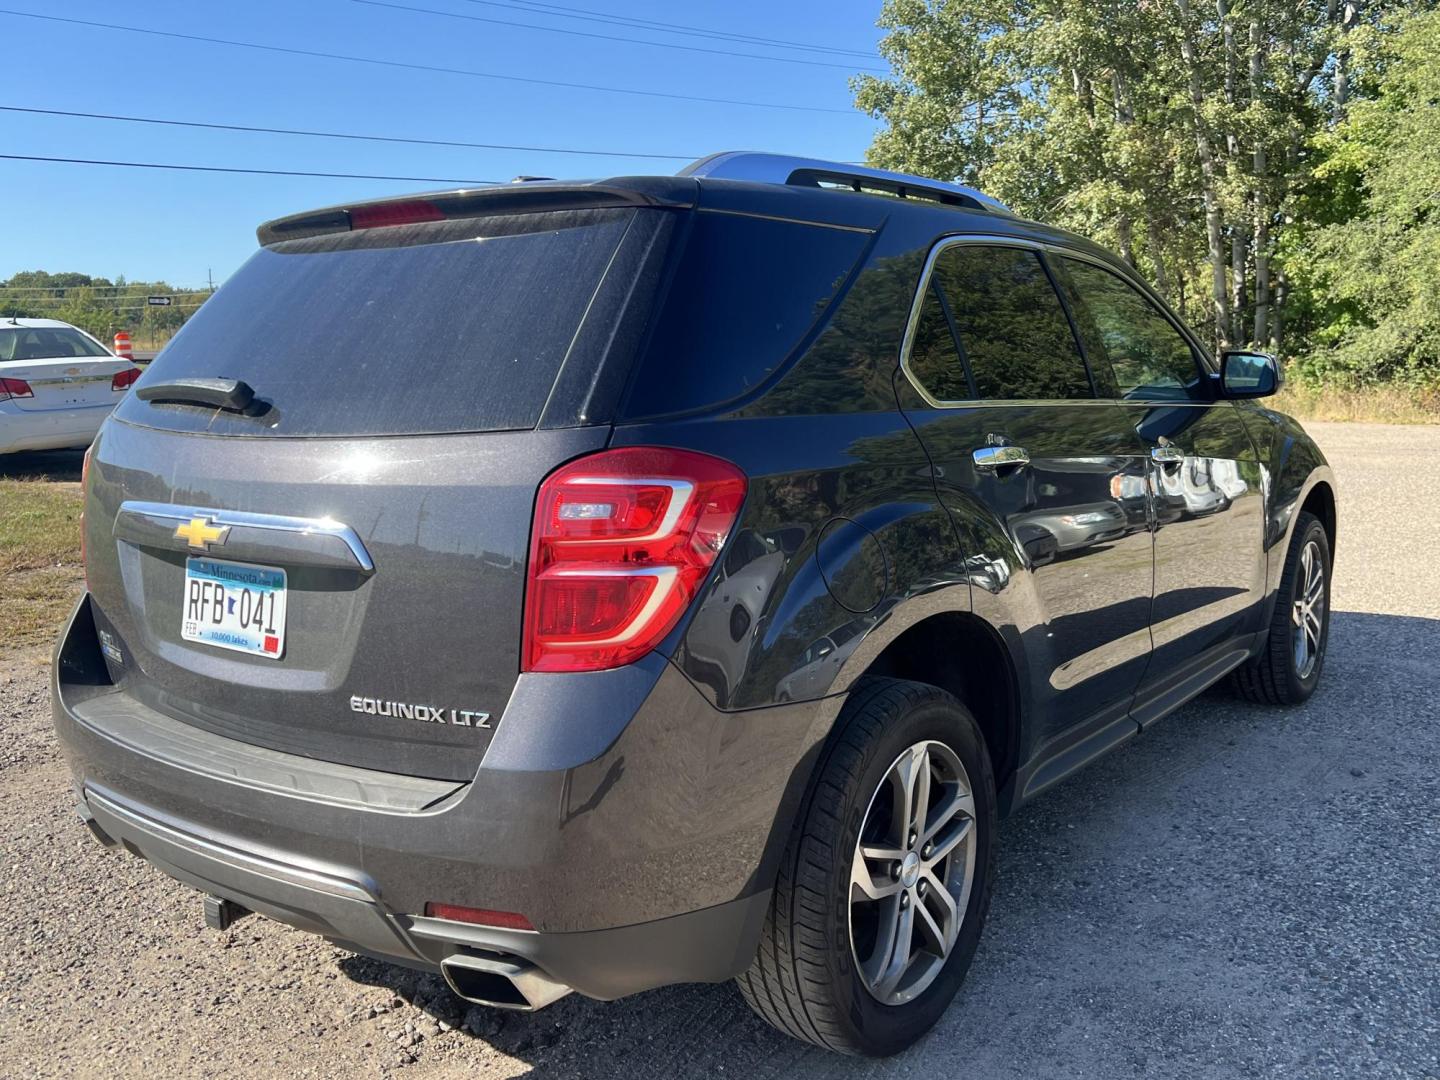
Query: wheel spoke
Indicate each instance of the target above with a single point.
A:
(1297, 613)
(896, 956)
(920, 801)
(955, 801)
(948, 923)
(1312, 629)
(870, 875)
(932, 930)
(1315, 589)
(949, 840)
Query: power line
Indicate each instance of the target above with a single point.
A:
(612, 37)
(565, 11)
(469, 73)
(344, 135)
(251, 172)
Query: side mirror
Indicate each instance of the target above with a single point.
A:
(1248, 375)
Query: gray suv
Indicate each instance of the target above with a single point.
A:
(592, 586)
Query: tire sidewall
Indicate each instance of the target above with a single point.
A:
(878, 1029)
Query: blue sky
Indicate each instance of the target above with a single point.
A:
(150, 224)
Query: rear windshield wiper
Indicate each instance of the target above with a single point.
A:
(235, 395)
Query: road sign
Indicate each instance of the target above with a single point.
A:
(159, 301)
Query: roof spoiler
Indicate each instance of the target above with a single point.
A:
(522, 197)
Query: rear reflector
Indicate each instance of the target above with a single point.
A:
(506, 920)
(408, 212)
(621, 543)
(122, 380)
(13, 388)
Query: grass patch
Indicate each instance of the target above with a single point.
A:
(40, 571)
(34, 604)
(1378, 405)
(39, 525)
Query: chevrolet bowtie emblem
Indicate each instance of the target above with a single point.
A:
(200, 534)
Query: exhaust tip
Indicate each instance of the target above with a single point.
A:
(501, 981)
(100, 835)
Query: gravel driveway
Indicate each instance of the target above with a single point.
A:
(1239, 892)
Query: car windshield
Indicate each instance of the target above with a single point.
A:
(45, 343)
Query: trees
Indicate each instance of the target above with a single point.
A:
(1184, 136)
(1372, 265)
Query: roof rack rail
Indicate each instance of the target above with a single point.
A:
(763, 168)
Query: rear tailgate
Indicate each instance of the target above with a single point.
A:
(434, 620)
(374, 503)
(65, 383)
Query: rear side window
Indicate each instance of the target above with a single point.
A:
(1013, 334)
(46, 343)
(744, 293)
(442, 327)
(934, 356)
(1124, 330)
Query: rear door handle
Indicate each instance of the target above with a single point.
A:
(996, 457)
(1167, 455)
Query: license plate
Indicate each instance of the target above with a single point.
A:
(234, 606)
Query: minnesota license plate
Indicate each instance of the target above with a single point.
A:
(234, 606)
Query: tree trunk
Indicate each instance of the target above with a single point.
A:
(1277, 319)
(1209, 185)
(1349, 17)
(1156, 241)
(1124, 227)
(1259, 170)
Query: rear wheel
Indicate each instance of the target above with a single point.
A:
(1288, 668)
(885, 882)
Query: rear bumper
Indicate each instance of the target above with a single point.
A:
(645, 863)
(49, 429)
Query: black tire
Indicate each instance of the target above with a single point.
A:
(1273, 677)
(803, 979)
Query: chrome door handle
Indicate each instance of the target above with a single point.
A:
(1167, 455)
(996, 457)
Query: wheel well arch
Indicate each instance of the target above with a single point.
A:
(964, 655)
(1320, 501)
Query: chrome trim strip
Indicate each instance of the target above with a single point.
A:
(73, 380)
(245, 520)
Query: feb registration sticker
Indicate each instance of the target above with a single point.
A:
(234, 606)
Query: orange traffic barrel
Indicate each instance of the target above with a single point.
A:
(123, 348)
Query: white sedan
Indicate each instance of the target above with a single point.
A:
(57, 385)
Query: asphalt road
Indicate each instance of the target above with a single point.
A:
(1239, 892)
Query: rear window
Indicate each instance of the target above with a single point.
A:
(46, 343)
(442, 327)
(744, 293)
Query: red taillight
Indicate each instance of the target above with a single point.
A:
(621, 543)
(509, 920)
(122, 380)
(408, 212)
(12, 388)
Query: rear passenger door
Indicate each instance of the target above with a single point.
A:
(1204, 476)
(1045, 482)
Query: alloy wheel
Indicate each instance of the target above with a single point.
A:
(911, 873)
(1308, 610)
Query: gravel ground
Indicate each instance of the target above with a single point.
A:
(1240, 892)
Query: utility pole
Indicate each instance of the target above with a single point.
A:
(211, 278)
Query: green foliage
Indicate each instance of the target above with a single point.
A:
(98, 305)
(1244, 155)
(1374, 263)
